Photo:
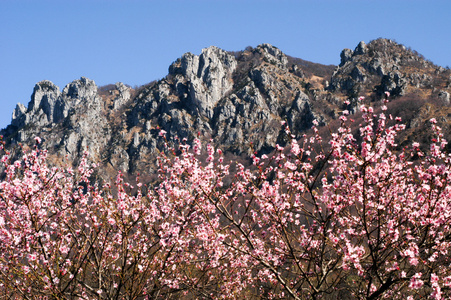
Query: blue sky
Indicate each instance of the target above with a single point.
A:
(135, 41)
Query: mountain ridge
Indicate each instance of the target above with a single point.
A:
(235, 99)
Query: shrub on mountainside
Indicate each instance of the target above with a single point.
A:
(346, 218)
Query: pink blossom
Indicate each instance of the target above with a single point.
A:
(329, 212)
(416, 282)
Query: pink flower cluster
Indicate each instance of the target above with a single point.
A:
(353, 218)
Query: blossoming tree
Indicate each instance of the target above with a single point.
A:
(354, 217)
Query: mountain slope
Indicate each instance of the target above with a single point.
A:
(237, 100)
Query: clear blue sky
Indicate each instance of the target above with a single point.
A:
(135, 41)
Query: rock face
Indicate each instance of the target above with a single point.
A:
(45, 96)
(82, 111)
(48, 105)
(444, 96)
(123, 97)
(382, 63)
(41, 109)
(77, 111)
(203, 80)
(235, 100)
(273, 55)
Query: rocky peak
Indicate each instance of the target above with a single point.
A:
(345, 56)
(383, 64)
(81, 90)
(44, 97)
(361, 49)
(48, 107)
(123, 96)
(207, 77)
(273, 55)
(41, 107)
(18, 114)
(238, 99)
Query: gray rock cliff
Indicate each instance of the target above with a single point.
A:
(235, 100)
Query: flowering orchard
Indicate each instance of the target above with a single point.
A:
(349, 218)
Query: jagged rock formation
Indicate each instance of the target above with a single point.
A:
(41, 109)
(236, 99)
(382, 64)
(123, 95)
(202, 80)
(77, 110)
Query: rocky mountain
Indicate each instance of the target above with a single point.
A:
(235, 99)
